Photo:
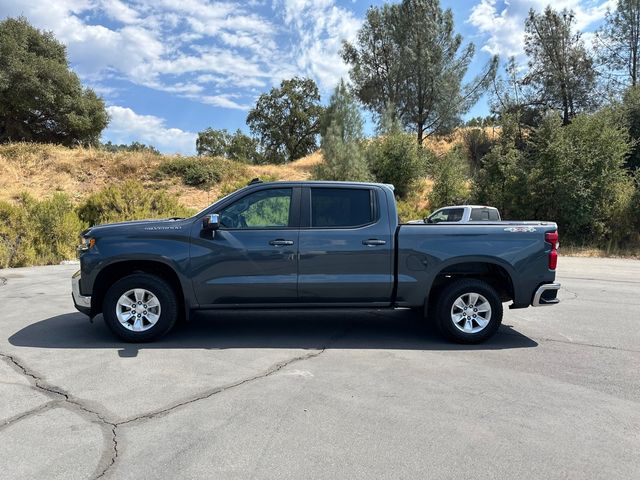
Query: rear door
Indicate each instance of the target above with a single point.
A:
(345, 246)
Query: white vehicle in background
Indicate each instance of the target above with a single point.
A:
(462, 214)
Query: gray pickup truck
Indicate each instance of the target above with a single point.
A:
(312, 245)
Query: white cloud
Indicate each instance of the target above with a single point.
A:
(321, 27)
(127, 126)
(174, 45)
(501, 24)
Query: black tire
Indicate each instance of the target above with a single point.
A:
(158, 287)
(444, 305)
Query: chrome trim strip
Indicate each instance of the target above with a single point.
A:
(541, 290)
(80, 300)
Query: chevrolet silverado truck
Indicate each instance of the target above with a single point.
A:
(312, 245)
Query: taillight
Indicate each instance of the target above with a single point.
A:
(552, 238)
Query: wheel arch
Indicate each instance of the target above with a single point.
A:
(494, 273)
(117, 270)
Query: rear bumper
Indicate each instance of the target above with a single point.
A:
(81, 302)
(546, 294)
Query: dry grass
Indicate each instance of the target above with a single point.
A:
(613, 252)
(440, 145)
(43, 170)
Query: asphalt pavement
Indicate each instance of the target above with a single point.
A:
(292, 395)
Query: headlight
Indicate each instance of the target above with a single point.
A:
(86, 243)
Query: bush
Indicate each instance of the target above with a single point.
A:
(576, 175)
(36, 232)
(502, 182)
(410, 210)
(573, 175)
(129, 201)
(16, 237)
(397, 159)
(477, 144)
(200, 172)
(450, 177)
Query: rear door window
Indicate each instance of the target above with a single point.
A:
(484, 215)
(341, 207)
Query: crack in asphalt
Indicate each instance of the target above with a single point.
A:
(210, 393)
(109, 457)
(575, 295)
(66, 400)
(3, 281)
(40, 408)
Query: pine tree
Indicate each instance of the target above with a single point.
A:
(342, 139)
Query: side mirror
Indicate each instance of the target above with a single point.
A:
(211, 223)
(428, 220)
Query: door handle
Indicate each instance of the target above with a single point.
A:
(279, 242)
(373, 242)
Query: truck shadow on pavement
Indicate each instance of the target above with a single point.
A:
(291, 329)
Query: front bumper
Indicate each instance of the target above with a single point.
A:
(546, 294)
(81, 302)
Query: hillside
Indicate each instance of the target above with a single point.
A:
(42, 170)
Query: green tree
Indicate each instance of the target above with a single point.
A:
(287, 120)
(450, 180)
(342, 139)
(501, 179)
(408, 58)
(221, 143)
(41, 99)
(576, 175)
(617, 43)
(513, 100)
(631, 112)
(397, 159)
(477, 144)
(213, 143)
(132, 147)
(243, 148)
(561, 70)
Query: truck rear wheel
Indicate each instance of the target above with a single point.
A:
(140, 308)
(468, 311)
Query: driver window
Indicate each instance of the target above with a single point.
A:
(262, 209)
(441, 216)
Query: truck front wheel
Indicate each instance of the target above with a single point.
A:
(140, 308)
(468, 311)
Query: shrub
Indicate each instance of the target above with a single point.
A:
(477, 144)
(397, 159)
(502, 182)
(450, 177)
(410, 210)
(36, 232)
(200, 172)
(16, 236)
(129, 201)
(576, 175)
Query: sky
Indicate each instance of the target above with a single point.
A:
(168, 69)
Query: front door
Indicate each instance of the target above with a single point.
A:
(252, 258)
(346, 247)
